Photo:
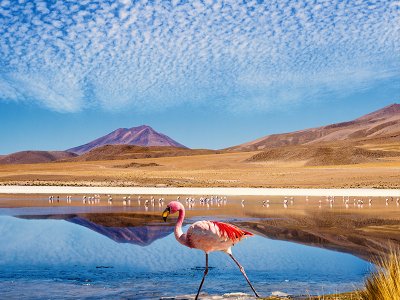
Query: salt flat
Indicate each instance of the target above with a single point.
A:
(227, 191)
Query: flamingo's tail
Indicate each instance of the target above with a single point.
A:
(231, 231)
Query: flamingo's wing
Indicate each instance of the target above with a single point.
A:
(231, 231)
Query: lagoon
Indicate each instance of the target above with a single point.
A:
(77, 258)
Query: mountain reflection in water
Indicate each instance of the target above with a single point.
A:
(350, 233)
(52, 257)
(139, 235)
(121, 228)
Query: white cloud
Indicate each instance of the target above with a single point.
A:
(116, 55)
(56, 92)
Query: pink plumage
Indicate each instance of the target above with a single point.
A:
(233, 232)
(214, 236)
(207, 236)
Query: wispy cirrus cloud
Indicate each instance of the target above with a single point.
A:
(144, 55)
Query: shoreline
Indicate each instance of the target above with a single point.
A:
(356, 192)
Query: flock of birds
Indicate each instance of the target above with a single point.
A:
(209, 201)
(151, 201)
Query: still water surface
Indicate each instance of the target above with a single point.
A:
(75, 258)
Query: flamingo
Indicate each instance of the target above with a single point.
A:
(208, 236)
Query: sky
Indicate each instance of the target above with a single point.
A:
(209, 74)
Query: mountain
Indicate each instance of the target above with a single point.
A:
(139, 136)
(32, 157)
(120, 152)
(381, 124)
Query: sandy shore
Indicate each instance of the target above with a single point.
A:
(199, 191)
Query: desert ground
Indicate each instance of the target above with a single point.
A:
(226, 169)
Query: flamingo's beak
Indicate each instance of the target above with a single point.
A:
(165, 214)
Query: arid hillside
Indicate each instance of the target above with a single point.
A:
(30, 157)
(380, 126)
(324, 155)
(119, 152)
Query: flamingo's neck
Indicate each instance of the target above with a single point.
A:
(180, 237)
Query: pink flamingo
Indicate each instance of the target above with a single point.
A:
(207, 236)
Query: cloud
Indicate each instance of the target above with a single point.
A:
(69, 56)
(57, 92)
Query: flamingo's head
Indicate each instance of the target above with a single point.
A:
(172, 208)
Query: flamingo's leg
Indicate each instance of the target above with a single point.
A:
(244, 274)
(204, 276)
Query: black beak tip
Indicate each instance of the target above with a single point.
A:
(166, 213)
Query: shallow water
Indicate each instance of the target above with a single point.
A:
(76, 258)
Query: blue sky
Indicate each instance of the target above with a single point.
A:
(207, 73)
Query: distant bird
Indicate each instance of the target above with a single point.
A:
(207, 236)
(266, 203)
(285, 203)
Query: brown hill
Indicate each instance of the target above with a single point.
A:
(33, 157)
(383, 124)
(323, 155)
(118, 152)
(139, 136)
